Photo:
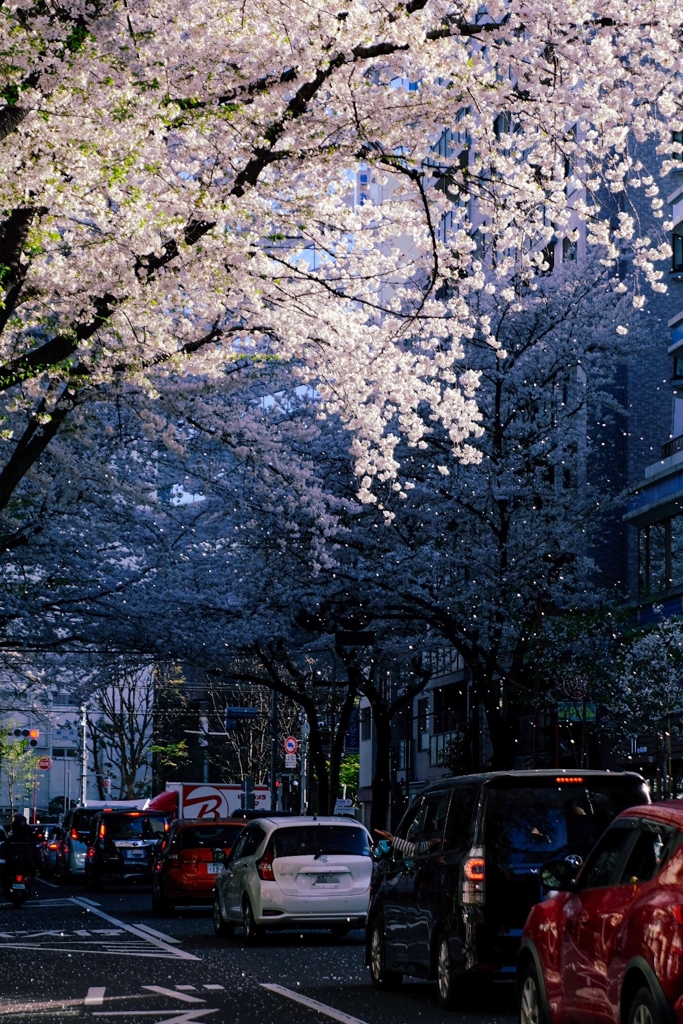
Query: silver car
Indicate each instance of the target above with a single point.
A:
(73, 843)
(295, 873)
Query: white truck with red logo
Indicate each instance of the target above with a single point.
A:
(206, 800)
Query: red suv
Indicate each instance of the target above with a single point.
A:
(607, 946)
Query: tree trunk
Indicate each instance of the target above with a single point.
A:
(337, 746)
(381, 782)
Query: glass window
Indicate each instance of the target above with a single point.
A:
(652, 847)
(460, 814)
(252, 840)
(677, 252)
(434, 816)
(313, 840)
(237, 849)
(532, 824)
(601, 866)
(365, 724)
(410, 823)
(206, 837)
(422, 723)
(134, 827)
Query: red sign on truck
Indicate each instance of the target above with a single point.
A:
(206, 800)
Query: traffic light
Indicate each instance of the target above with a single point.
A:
(247, 797)
(233, 716)
(32, 735)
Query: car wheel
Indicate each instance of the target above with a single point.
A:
(252, 932)
(381, 978)
(446, 978)
(644, 1009)
(530, 1003)
(221, 927)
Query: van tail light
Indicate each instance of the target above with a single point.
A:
(18, 878)
(264, 866)
(53, 846)
(74, 833)
(473, 884)
(676, 911)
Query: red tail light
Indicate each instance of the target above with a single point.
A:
(473, 884)
(53, 846)
(265, 865)
(18, 878)
(74, 833)
(676, 912)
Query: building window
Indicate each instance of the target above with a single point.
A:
(660, 555)
(677, 139)
(404, 759)
(678, 373)
(423, 723)
(449, 708)
(677, 252)
(569, 250)
(365, 724)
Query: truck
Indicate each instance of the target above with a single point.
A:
(206, 800)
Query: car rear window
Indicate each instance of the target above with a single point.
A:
(134, 827)
(82, 819)
(208, 836)
(309, 840)
(526, 823)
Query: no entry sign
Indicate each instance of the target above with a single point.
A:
(291, 745)
(45, 763)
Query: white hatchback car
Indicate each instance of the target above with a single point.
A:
(295, 873)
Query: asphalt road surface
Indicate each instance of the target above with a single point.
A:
(106, 959)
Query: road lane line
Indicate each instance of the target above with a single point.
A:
(313, 1004)
(183, 1017)
(44, 881)
(95, 997)
(155, 933)
(173, 994)
(179, 953)
(91, 903)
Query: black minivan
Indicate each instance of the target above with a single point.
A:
(122, 845)
(458, 911)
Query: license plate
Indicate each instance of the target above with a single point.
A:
(134, 854)
(18, 885)
(325, 879)
(214, 869)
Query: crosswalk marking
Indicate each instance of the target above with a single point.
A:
(95, 997)
(214, 988)
(312, 1004)
(184, 996)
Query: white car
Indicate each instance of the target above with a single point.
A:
(295, 873)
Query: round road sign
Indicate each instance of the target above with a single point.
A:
(291, 745)
(45, 763)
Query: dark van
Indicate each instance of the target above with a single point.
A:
(121, 846)
(458, 910)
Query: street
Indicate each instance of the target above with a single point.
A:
(69, 955)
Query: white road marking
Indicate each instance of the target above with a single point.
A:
(312, 1004)
(155, 933)
(186, 988)
(184, 1017)
(183, 996)
(214, 988)
(178, 953)
(91, 903)
(95, 997)
(36, 1007)
(44, 881)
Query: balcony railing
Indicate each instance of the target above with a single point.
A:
(672, 446)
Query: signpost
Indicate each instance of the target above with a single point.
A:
(290, 760)
(291, 745)
(344, 807)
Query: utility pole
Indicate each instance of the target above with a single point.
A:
(273, 750)
(305, 730)
(84, 765)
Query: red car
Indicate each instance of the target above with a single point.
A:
(607, 948)
(186, 866)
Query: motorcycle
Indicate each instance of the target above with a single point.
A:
(19, 872)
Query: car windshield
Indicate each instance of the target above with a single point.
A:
(532, 823)
(200, 837)
(134, 827)
(314, 840)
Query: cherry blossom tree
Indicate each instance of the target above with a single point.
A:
(184, 184)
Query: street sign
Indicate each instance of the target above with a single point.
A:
(343, 807)
(575, 711)
(45, 763)
(291, 745)
(290, 760)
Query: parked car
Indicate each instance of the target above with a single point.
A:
(608, 946)
(121, 846)
(188, 860)
(73, 843)
(47, 853)
(295, 873)
(458, 910)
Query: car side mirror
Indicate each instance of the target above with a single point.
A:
(220, 857)
(381, 850)
(559, 875)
